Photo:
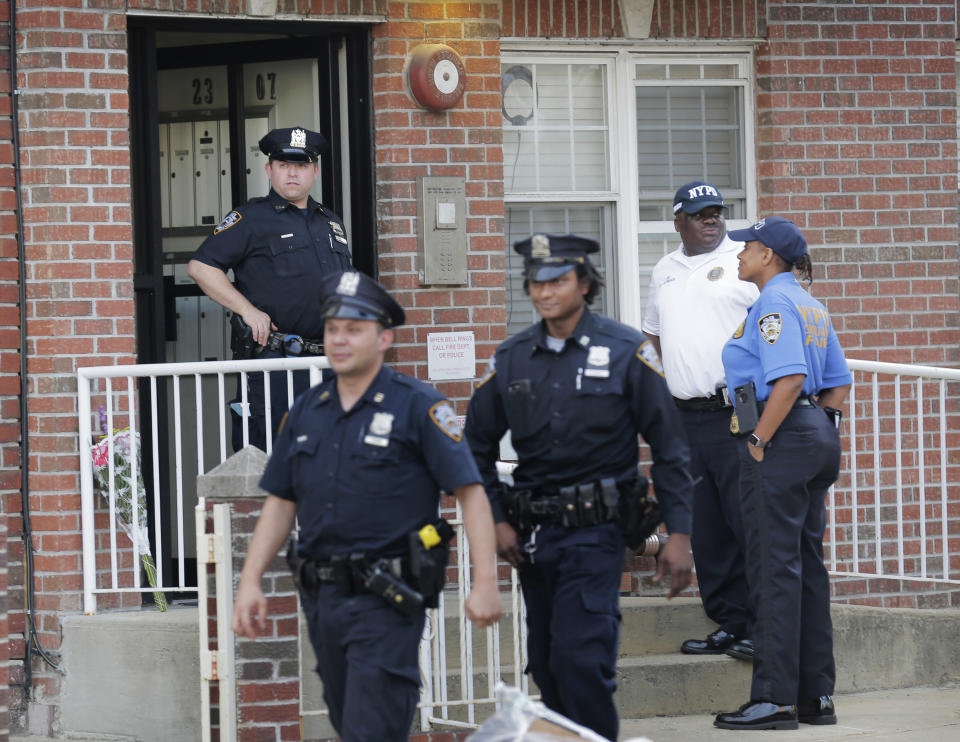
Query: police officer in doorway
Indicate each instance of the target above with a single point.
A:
(575, 390)
(790, 379)
(699, 280)
(279, 247)
(360, 462)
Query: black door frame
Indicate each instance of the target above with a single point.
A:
(153, 298)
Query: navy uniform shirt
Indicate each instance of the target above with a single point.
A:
(574, 416)
(786, 332)
(277, 255)
(364, 479)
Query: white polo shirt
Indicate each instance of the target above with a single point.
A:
(696, 303)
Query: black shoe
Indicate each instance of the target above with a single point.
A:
(759, 715)
(742, 649)
(716, 643)
(818, 711)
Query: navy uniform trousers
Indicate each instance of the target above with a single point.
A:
(784, 515)
(257, 432)
(717, 539)
(368, 660)
(572, 597)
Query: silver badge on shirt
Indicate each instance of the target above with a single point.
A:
(378, 433)
(598, 362)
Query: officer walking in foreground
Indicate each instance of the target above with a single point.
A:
(279, 247)
(789, 378)
(699, 280)
(575, 390)
(360, 462)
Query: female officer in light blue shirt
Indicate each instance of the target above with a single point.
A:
(786, 352)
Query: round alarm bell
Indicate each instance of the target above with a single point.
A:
(437, 76)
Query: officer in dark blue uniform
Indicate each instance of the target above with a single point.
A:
(575, 390)
(279, 248)
(361, 460)
(789, 378)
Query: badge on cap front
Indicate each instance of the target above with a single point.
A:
(298, 138)
(540, 246)
(348, 284)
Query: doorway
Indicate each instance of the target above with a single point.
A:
(202, 94)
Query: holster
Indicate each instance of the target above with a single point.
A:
(428, 565)
(241, 338)
(516, 508)
(639, 512)
(303, 577)
(380, 580)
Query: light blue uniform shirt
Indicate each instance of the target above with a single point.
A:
(786, 332)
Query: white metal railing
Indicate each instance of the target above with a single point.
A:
(890, 518)
(113, 389)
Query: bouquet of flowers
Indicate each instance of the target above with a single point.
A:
(125, 447)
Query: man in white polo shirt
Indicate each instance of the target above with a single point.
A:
(696, 303)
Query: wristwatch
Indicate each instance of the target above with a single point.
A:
(753, 440)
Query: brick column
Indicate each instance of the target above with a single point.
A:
(267, 668)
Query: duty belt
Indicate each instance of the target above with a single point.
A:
(572, 506)
(293, 345)
(713, 403)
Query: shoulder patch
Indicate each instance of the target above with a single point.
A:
(445, 418)
(649, 356)
(770, 326)
(228, 221)
(491, 370)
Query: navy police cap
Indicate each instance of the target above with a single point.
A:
(354, 295)
(547, 256)
(695, 196)
(779, 234)
(295, 144)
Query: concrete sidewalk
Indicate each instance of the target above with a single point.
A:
(905, 715)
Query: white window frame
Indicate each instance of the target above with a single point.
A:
(621, 59)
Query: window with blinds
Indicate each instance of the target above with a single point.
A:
(556, 164)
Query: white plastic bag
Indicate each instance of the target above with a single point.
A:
(518, 713)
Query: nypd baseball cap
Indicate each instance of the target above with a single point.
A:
(548, 256)
(779, 234)
(354, 295)
(694, 197)
(294, 144)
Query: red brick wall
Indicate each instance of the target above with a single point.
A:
(464, 141)
(857, 142)
(569, 19)
(598, 19)
(76, 210)
(9, 378)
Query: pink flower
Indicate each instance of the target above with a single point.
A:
(100, 454)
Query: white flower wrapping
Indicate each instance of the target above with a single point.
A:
(126, 447)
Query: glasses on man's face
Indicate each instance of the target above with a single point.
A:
(708, 215)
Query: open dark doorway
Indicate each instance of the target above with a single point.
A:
(202, 93)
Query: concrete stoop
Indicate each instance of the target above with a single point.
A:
(135, 675)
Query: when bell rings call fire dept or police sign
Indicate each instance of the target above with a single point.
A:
(451, 355)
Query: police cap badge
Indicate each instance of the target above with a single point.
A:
(548, 256)
(354, 295)
(294, 144)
